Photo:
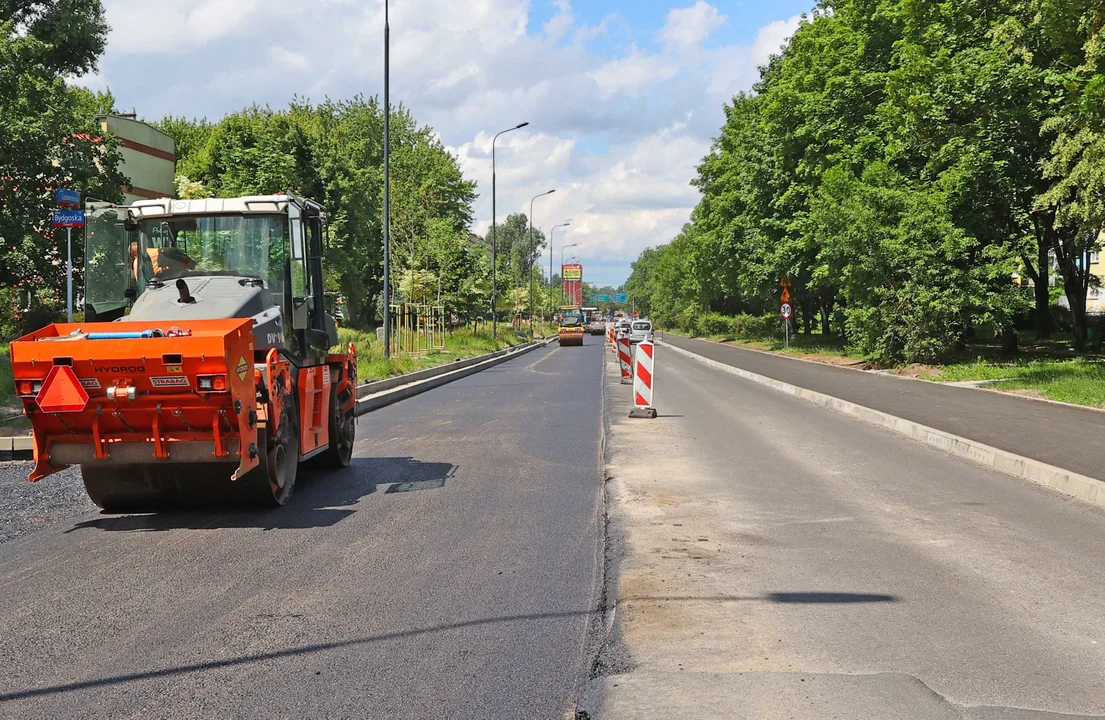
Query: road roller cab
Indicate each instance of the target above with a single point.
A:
(218, 382)
(571, 325)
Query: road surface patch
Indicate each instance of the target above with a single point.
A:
(1055, 478)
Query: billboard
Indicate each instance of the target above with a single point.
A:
(572, 284)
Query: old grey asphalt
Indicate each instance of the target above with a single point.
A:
(785, 561)
(1050, 433)
(452, 572)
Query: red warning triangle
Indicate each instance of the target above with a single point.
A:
(61, 391)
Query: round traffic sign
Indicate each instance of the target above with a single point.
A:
(786, 310)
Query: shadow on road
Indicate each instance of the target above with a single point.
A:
(322, 498)
(786, 598)
(775, 597)
(290, 652)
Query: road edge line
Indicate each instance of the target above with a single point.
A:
(1071, 483)
(377, 400)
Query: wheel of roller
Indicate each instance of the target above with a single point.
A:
(343, 434)
(123, 489)
(272, 482)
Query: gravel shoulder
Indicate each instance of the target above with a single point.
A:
(26, 507)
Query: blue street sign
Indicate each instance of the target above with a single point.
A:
(621, 298)
(68, 198)
(68, 218)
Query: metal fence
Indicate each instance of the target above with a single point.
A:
(417, 329)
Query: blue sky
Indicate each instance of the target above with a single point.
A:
(623, 97)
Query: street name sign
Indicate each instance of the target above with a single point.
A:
(68, 218)
(67, 198)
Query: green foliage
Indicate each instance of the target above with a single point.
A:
(50, 139)
(757, 327)
(333, 153)
(1080, 382)
(712, 324)
(460, 344)
(512, 251)
(7, 376)
(898, 163)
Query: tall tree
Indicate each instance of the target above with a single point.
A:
(50, 140)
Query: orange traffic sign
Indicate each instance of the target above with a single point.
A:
(785, 296)
(784, 283)
(61, 391)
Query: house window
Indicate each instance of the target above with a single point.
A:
(1095, 257)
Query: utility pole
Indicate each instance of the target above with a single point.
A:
(387, 196)
(494, 265)
(531, 259)
(551, 234)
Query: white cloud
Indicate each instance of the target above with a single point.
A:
(689, 27)
(735, 67)
(180, 26)
(633, 74)
(561, 23)
(92, 81)
(616, 127)
(283, 57)
(772, 37)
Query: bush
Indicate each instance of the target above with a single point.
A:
(685, 319)
(751, 327)
(15, 320)
(711, 323)
(902, 331)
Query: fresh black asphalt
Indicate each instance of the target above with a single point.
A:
(452, 572)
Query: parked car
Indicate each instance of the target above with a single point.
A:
(623, 326)
(640, 332)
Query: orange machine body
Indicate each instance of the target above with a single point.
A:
(180, 399)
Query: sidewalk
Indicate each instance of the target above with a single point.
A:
(1066, 437)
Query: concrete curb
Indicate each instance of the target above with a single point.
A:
(16, 448)
(1065, 481)
(375, 395)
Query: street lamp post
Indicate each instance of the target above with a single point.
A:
(494, 267)
(551, 234)
(387, 197)
(562, 268)
(529, 269)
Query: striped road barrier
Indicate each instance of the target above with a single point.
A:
(643, 381)
(625, 358)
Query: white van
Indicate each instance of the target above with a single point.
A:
(640, 331)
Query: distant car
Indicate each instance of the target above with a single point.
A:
(597, 326)
(623, 326)
(640, 332)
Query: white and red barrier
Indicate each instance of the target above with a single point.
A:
(625, 357)
(644, 381)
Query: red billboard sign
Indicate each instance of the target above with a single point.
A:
(572, 284)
